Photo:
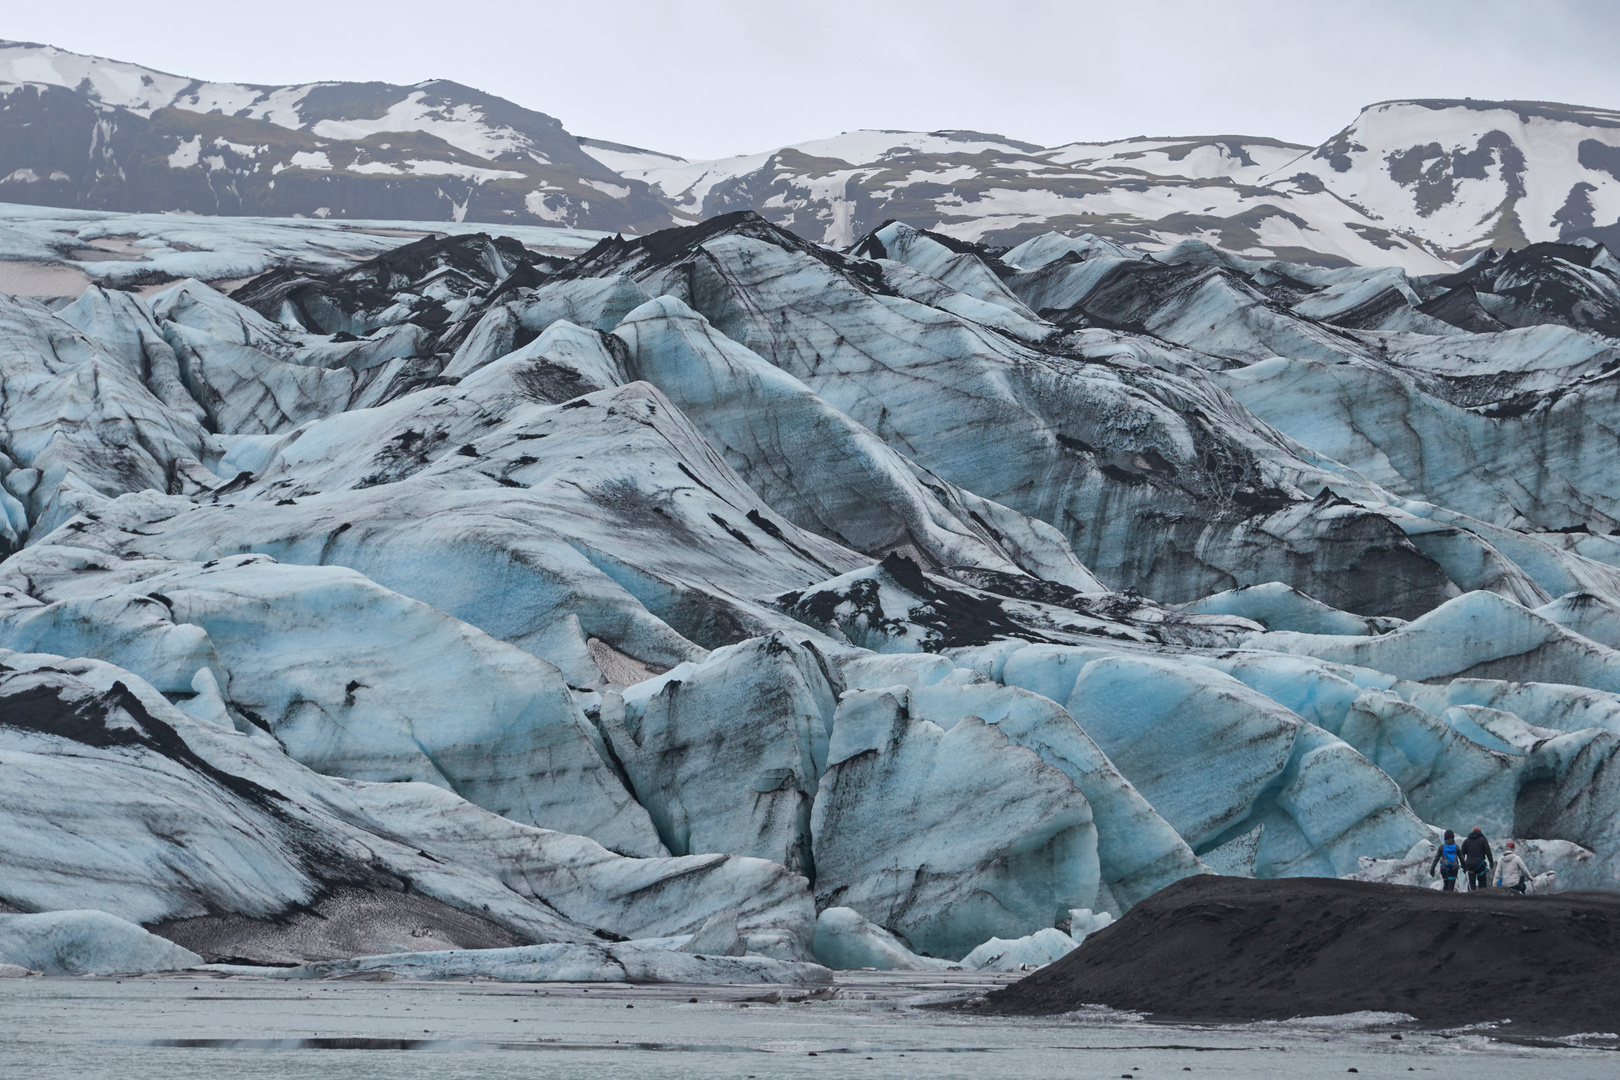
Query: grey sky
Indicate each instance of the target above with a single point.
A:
(707, 78)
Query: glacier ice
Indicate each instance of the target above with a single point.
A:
(733, 595)
(1215, 758)
(115, 799)
(1033, 950)
(845, 941)
(1084, 922)
(1590, 615)
(718, 936)
(1555, 866)
(87, 943)
(279, 642)
(725, 754)
(818, 467)
(946, 836)
(1477, 635)
(1050, 246)
(81, 421)
(1072, 441)
(1137, 850)
(1384, 418)
(1276, 606)
(963, 272)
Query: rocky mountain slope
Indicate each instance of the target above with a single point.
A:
(719, 590)
(99, 134)
(1415, 184)
(987, 188)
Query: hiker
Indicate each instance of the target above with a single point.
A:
(1449, 860)
(1477, 859)
(1511, 871)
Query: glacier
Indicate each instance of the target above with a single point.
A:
(87, 943)
(715, 605)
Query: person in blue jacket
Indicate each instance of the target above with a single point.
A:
(1449, 861)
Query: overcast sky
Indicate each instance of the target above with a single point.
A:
(709, 78)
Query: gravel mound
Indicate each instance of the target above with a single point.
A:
(1228, 949)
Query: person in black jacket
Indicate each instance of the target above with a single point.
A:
(1477, 859)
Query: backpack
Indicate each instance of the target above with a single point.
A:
(1448, 860)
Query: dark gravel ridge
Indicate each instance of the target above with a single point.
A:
(1232, 949)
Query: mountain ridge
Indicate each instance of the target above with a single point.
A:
(1423, 183)
(434, 150)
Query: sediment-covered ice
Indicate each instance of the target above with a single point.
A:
(626, 962)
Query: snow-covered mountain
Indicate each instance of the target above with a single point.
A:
(759, 602)
(1410, 183)
(985, 188)
(1464, 175)
(1420, 185)
(87, 132)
